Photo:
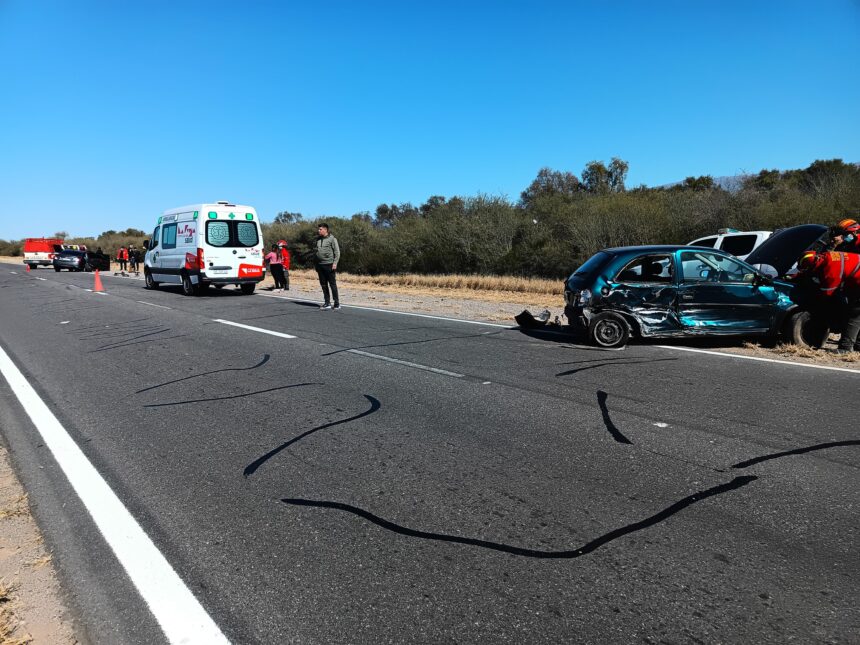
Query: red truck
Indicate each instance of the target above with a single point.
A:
(39, 251)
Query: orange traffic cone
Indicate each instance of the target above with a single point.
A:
(98, 286)
(28, 267)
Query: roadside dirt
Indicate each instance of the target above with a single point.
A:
(31, 601)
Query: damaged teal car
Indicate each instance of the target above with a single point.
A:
(687, 291)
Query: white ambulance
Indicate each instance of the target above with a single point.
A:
(206, 244)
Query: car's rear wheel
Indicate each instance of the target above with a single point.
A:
(805, 330)
(608, 330)
(248, 288)
(188, 287)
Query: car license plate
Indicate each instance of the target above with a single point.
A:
(220, 272)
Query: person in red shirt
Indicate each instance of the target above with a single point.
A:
(836, 276)
(285, 261)
(276, 266)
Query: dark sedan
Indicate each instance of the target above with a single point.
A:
(670, 291)
(81, 261)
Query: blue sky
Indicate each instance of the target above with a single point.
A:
(111, 112)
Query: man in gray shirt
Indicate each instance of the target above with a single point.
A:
(327, 256)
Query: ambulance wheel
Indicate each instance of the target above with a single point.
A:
(608, 330)
(247, 289)
(148, 280)
(188, 287)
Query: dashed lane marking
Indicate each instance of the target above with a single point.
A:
(418, 366)
(177, 611)
(259, 329)
(151, 304)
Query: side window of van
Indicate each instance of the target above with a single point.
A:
(154, 241)
(168, 236)
(739, 244)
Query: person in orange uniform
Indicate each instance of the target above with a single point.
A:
(837, 277)
(845, 236)
(285, 261)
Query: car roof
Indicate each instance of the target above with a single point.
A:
(657, 248)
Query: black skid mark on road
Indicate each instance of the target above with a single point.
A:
(607, 421)
(603, 540)
(265, 360)
(121, 343)
(605, 364)
(227, 398)
(410, 342)
(139, 342)
(797, 451)
(111, 333)
(251, 468)
(111, 325)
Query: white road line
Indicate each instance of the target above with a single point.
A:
(435, 370)
(14, 272)
(758, 358)
(395, 311)
(259, 329)
(42, 279)
(175, 608)
(151, 304)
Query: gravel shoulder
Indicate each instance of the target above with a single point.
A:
(32, 609)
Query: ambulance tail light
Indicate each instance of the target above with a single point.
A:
(195, 261)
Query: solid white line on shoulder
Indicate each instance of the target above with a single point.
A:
(395, 311)
(259, 329)
(175, 608)
(758, 358)
(407, 363)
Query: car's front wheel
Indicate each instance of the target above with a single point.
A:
(148, 280)
(805, 330)
(188, 287)
(608, 330)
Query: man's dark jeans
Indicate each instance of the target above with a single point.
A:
(852, 326)
(328, 278)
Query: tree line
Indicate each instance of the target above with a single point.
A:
(559, 220)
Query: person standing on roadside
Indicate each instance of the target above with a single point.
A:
(285, 260)
(121, 258)
(276, 266)
(132, 258)
(326, 259)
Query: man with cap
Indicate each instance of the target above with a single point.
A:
(837, 278)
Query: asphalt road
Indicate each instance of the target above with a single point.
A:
(393, 478)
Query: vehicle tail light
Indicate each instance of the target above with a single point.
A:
(194, 261)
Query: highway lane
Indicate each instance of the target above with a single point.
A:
(534, 491)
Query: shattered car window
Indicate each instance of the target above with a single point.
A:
(701, 266)
(648, 268)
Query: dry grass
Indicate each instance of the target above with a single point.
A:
(38, 563)
(786, 350)
(508, 284)
(8, 621)
(18, 508)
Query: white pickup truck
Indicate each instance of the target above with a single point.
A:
(738, 243)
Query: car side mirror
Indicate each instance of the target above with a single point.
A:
(761, 279)
(146, 244)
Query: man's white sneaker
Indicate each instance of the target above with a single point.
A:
(325, 306)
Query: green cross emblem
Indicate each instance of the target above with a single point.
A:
(232, 216)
